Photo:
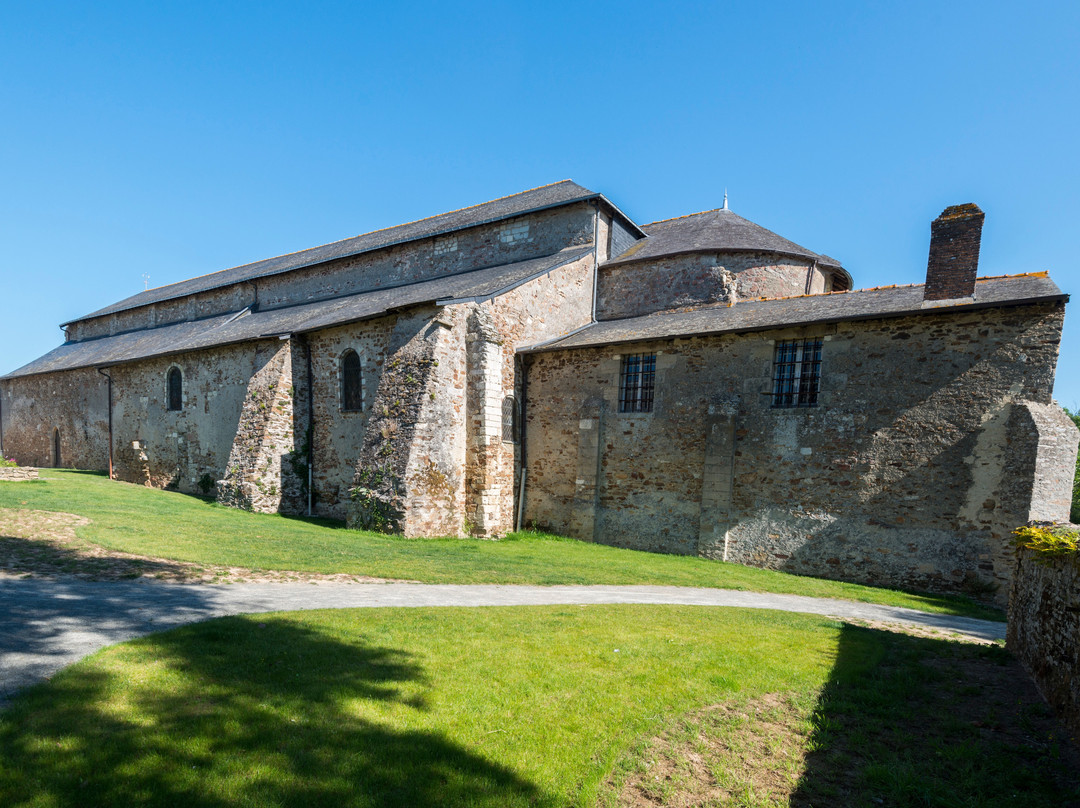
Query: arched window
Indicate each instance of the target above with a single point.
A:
(56, 448)
(176, 389)
(352, 387)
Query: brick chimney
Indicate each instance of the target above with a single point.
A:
(954, 253)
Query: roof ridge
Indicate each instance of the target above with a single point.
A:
(688, 215)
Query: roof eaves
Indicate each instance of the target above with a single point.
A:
(552, 345)
(791, 253)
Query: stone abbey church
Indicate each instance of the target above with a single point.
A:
(698, 385)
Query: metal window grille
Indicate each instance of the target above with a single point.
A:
(636, 383)
(509, 420)
(175, 389)
(797, 373)
(352, 388)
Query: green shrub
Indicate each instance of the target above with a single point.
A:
(8, 462)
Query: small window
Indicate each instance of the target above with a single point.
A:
(509, 420)
(57, 461)
(636, 383)
(352, 387)
(797, 373)
(176, 389)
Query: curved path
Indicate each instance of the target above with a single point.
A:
(48, 624)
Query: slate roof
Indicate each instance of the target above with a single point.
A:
(715, 230)
(759, 315)
(546, 196)
(236, 327)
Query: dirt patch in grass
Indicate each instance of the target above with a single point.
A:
(727, 754)
(930, 722)
(45, 544)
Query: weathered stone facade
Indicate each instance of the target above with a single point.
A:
(1044, 629)
(411, 379)
(916, 465)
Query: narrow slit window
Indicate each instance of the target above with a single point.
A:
(636, 383)
(797, 373)
(352, 388)
(509, 420)
(57, 460)
(175, 389)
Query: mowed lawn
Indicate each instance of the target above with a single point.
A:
(164, 524)
(524, 706)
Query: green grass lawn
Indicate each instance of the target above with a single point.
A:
(165, 524)
(526, 706)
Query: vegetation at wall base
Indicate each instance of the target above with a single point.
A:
(517, 706)
(169, 525)
(8, 462)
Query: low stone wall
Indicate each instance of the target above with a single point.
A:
(1044, 630)
(17, 474)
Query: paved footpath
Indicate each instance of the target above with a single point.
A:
(48, 624)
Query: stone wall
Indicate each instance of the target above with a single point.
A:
(911, 471)
(693, 280)
(531, 236)
(1044, 629)
(187, 449)
(17, 474)
(75, 403)
(261, 473)
(434, 460)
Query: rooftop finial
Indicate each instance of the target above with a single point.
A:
(725, 199)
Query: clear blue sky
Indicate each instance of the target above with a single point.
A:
(176, 139)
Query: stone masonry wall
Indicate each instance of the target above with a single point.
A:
(910, 472)
(408, 474)
(74, 402)
(433, 460)
(188, 449)
(531, 236)
(541, 309)
(1044, 630)
(338, 434)
(17, 474)
(698, 279)
(260, 474)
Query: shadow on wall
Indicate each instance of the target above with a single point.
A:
(255, 713)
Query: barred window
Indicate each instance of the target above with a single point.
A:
(797, 373)
(509, 420)
(352, 388)
(636, 383)
(175, 391)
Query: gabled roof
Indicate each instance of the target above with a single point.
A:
(759, 315)
(235, 327)
(546, 196)
(717, 230)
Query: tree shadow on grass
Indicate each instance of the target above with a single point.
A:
(242, 711)
(909, 721)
